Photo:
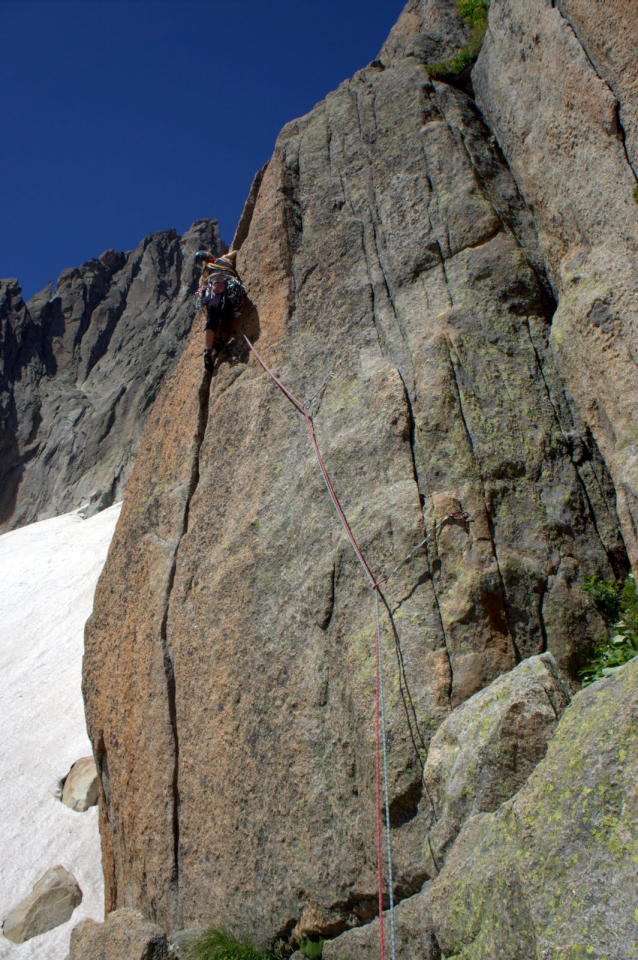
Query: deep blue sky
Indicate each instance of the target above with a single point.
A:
(124, 117)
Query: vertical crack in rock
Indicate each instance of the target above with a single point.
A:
(441, 621)
(108, 813)
(249, 208)
(510, 629)
(621, 130)
(610, 554)
(169, 665)
(412, 427)
(541, 616)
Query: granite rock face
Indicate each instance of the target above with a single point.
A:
(428, 30)
(557, 83)
(414, 934)
(396, 276)
(51, 902)
(552, 873)
(487, 748)
(80, 368)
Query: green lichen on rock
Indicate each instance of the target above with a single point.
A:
(635, 193)
(478, 759)
(474, 12)
(514, 884)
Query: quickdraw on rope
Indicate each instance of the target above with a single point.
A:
(380, 726)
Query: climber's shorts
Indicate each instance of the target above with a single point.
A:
(215, 316)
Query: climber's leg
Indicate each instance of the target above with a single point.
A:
(211, 336)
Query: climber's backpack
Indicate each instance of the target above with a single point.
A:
(232, 291)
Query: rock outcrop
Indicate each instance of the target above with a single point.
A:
(80, 368)
(553, 871)
(397, 277)
(126, 935)
(534, 877)
(51, 902)
(487, 748)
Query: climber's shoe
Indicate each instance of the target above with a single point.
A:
(209, 359)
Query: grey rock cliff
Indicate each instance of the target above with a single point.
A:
(387, 247)
(557, 83)
(80, 368)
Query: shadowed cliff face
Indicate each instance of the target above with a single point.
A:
(80, 368)
(394, 274)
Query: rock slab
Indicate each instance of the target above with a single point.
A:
(80, 789)
(125, 935)
(414, 934)
(553, 872)
(557, 83)
(51, 902)
(485, 751)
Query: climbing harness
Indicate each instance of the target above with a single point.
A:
(380, 725)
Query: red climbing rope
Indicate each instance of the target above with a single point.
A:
(302, 410)
(378, 790)
(375, 586)
(380, 737)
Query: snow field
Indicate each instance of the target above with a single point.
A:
(48, 574)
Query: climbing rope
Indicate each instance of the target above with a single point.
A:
(380, 724)
(379, 708)
(381, 700)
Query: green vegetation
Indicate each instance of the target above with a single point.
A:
(219, 945)
(474, 12)
(312, 949)
(618, 604)
(635, 193)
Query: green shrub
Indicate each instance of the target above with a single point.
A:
(219, 945)
(312, 949)
(474, 12)
(606, 596)
(635, 193)
(618, 603)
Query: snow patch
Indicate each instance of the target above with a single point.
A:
(48, 574)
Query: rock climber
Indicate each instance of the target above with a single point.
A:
(221, 293)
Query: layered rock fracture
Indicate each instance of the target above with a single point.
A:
(80, 367)
(396, 277)
(557, 82)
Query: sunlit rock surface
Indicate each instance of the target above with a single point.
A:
(396, 275)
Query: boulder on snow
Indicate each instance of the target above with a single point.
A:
(51, 902)
(81, 785)
(485, 751)
(125, 935)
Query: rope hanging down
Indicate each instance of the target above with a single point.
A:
(380, 737)
(380, 727)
